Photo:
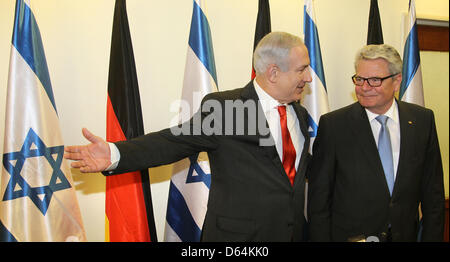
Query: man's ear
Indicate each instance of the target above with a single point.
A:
(272, 73)
(398, 82)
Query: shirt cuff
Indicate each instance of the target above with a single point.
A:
(115, 157)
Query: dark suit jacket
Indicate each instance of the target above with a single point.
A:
(251, 198)
(348, 192)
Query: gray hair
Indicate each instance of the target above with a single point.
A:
(274, 48)
(386, 52)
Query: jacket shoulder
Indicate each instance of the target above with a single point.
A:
(342, 112)
(224, 95)
(244, 93)
(414, 108)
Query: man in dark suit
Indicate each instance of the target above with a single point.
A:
(357, 189)
(258, 149)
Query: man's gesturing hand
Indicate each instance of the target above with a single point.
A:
(95, 157)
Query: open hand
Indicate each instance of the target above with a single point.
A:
(91, 158)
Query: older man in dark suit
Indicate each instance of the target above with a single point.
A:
(258, 164)
(375, 161)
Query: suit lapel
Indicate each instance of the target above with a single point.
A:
(249, 92)
(362, 132)
(364, 136)
(407, 134)
(270, 151)
(302, 120)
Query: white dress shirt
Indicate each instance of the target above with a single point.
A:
(393, 124)
(269, 106)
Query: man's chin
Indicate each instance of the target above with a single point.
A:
(366, 101)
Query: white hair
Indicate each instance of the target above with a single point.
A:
(386, 52)
(274, 48)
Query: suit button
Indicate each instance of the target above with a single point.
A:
(391, 204)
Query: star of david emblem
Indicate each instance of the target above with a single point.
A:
(201, 175)
(18, 186)
(312, 127)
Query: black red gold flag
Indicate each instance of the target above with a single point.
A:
(263, 26)
(375, 32)
(128, 206)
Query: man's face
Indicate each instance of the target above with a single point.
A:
(290, 83)
(376, 99)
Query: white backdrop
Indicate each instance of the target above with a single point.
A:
(77, 36)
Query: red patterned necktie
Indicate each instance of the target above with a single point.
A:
(289, 153)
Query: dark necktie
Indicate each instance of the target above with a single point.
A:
(289, 153)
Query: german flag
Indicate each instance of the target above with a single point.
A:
(375, 31)
(129, 211)
(263, 26)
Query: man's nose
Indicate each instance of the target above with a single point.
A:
(307, 76)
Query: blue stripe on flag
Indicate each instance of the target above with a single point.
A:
(5, 235)
(411, 60)
(27, 40)
(312, 43)
(200, 40)
(179, 217)
(201, 175)
(313, 125)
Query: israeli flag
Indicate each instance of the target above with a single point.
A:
(37, 194)
(315, 98)
(411, 89)
(191, 179)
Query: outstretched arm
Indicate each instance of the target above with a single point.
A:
(94, 157)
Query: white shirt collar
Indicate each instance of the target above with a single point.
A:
(392, 113)
(267, 102)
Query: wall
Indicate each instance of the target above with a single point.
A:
(435, 80)
(77, 36)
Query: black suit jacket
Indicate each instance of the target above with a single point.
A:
(348, 192)
(250, 198)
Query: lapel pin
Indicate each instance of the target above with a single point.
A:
(410, 122)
